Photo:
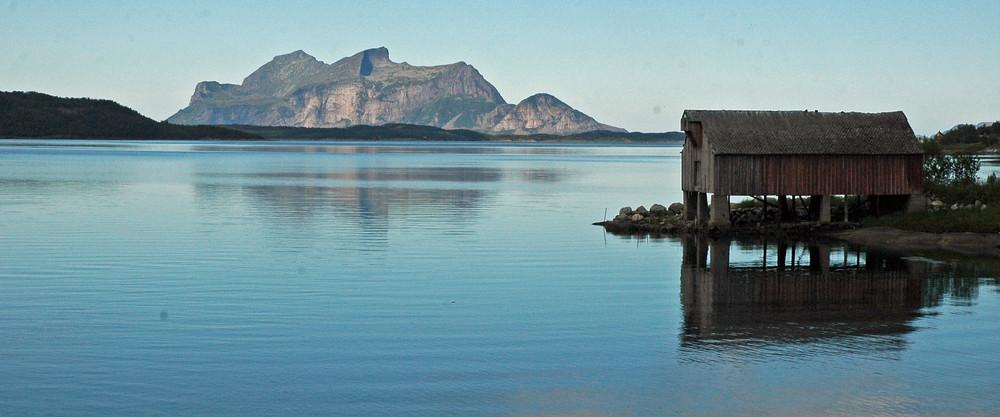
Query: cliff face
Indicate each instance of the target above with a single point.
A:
(368, 88)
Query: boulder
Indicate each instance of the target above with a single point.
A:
(657, 209)
(642, 210)
(625, 210)
(676, 208)
(637, 217)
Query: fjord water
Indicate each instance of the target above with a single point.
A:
(333, 278)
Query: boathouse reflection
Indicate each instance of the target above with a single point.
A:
(780, 293)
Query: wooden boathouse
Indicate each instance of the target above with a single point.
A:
(797, 153)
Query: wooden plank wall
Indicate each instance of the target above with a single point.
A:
(818, 174)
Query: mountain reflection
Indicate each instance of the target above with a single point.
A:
(444, 174)
(443, 198)
(394, 148)
(796, 299)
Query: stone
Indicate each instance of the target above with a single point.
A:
(676, 208)
(978, 204)
(954, 206)
(637, 217)
(625, 210)
(983, 207)
(621, 217)
(642, 210)
(658, 209)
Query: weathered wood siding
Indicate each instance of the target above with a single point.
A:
(703, 181)
(817, 174)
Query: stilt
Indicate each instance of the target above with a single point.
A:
(720, 211)
(703, 213)
(824, 208)
(690, 205)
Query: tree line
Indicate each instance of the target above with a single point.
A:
(38, 115)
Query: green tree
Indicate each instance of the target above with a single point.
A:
(948, 169)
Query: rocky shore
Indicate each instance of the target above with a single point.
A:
(659, 220)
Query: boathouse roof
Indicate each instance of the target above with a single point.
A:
(804, 132)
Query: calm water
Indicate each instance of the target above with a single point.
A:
(446, 279)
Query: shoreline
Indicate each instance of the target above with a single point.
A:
(896, 240)
(885, 239)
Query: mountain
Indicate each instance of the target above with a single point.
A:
(370, 89)
(37, 115)
(544, 114)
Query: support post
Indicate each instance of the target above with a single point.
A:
(690, 205)
(720, 211)
(915, 203)
(846, 218)
(824, 208)
(702, 208)
(785, 214)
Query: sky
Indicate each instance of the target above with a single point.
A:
(634, 64)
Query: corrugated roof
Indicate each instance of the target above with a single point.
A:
(805, 132)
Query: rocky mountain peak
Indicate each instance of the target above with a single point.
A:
(296, 89)
(283, 74)
(375, 57)
(542, 113)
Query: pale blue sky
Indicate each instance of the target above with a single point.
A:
(636, 65)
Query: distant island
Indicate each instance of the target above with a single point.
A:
(401, 131)
(38, 115)
(368, 88)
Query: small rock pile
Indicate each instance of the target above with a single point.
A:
(655, 210)
(935, 204)
(657, 219)
(752, 215)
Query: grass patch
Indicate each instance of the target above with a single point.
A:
(962, 220)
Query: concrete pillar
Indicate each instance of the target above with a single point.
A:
(702, 208)
(846, 207)
(690, 205)
(720, 211)
(915, 203)
(824, 208)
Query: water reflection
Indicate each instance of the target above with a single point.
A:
(796, 299)
(988, 164)
(446, 198)
(390, 148)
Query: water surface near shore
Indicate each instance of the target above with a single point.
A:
(239, 278)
